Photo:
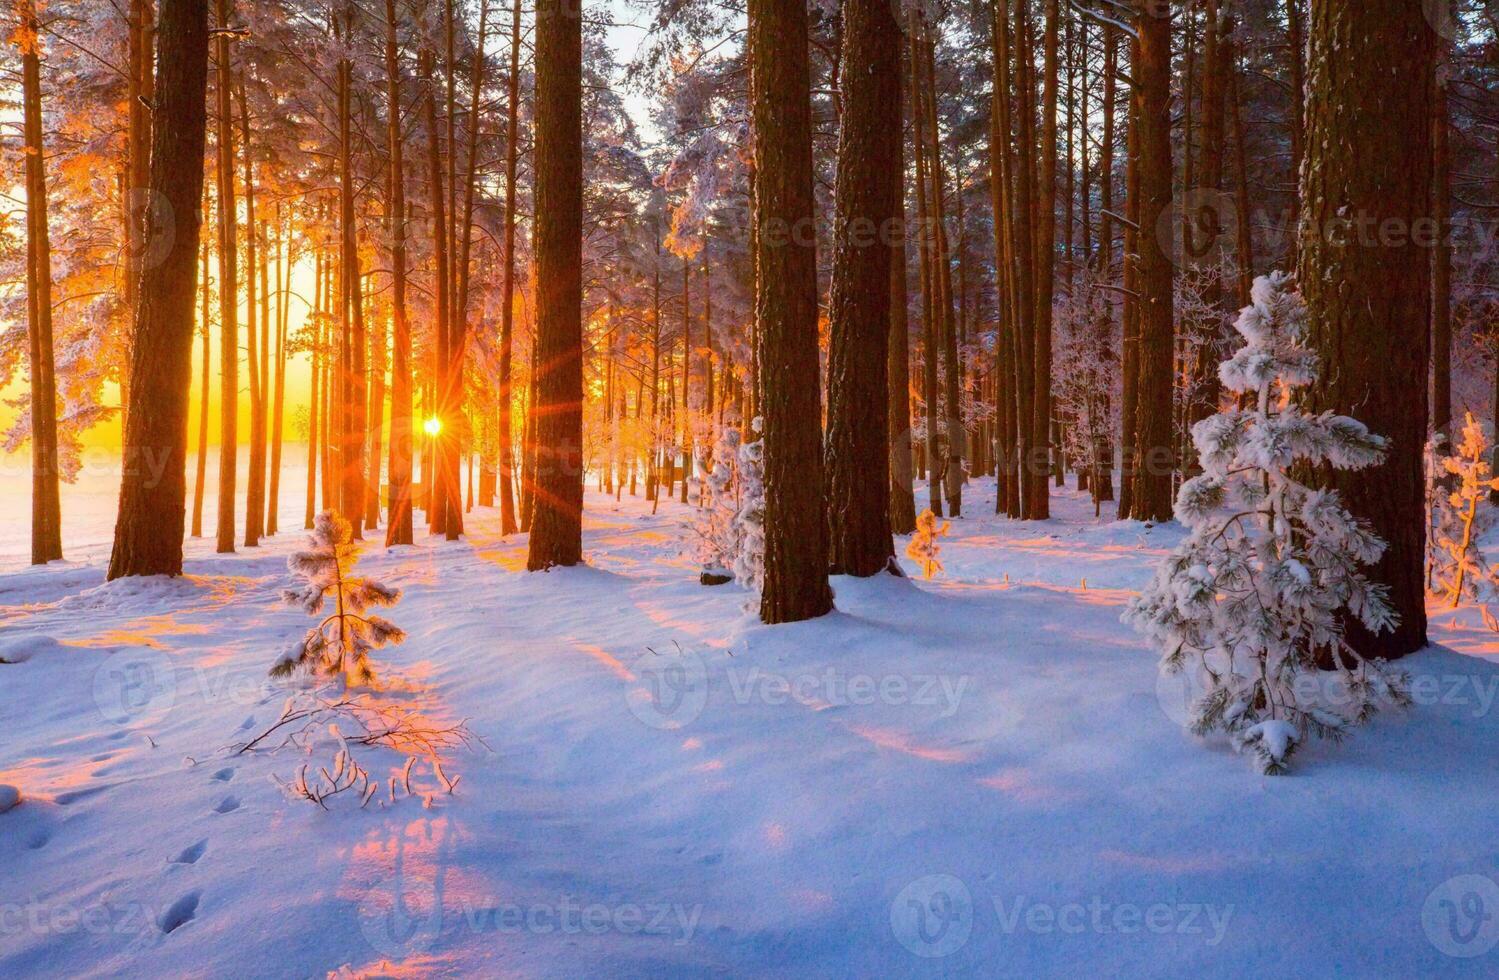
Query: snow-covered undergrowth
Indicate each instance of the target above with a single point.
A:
(977, 775)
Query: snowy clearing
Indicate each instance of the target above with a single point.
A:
(974, 775)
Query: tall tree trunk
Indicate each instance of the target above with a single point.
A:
(228, 288)
(902, 497)
(955, 435)
(1296, 48)
(398, 527)
(868, 195)
(1368, 159)
(201, 476)
(353, 388)
(931, 343)
(1152, 75)
(139, 95)
(148, 531)
(434, 473)
(796, 570)
(507, 309)
(255, 483)
(46, 509)
(283, 290)
(557, 524)
(1441, 259)
(1046, 261)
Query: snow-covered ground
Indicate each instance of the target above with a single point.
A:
(977, 775)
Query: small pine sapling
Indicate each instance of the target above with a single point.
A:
(715, 491)
(1255, 597)
(924, 547)
(749, 520)
(338, 646)
(1459, 520)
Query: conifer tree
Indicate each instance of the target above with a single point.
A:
(1254, 600)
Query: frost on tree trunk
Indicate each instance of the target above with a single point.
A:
(1365, 272)
(557, 523)
(148, 534)
(796, 563)
(869, 180)
(1257, 595)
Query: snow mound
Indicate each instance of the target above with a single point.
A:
(10, 797)
(21, 647)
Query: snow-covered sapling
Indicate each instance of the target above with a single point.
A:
(924, 547)
(338, 646)
(749, 520)
(1254, 599)
(715, 490)
(1460, 518)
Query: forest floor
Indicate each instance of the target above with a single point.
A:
(978, 774)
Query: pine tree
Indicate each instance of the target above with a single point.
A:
(339, 646)
(1255, 598)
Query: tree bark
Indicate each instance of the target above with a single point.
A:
(1441, 261)
(507, 303)
(228, 289)
(46, 509)
(796, 585)
(148, 531)
(398, 526)
(255, 482)
(1155, 457)
(902, 497)
(557, 523)
(868, 192)
(1367, 168)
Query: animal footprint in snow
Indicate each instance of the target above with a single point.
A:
(224, 775)
(227, 805)
(191, 854)
(38, 840)
(179, 913)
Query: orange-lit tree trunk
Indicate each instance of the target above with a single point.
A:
(398, 528)
(353, 388)
(201, 475)
(46, 510)
(507, 311)
(148, 531)
(255, 482)
(228, 287)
